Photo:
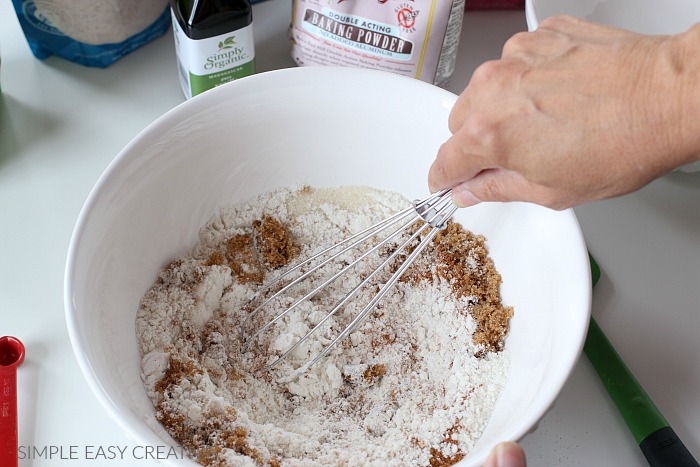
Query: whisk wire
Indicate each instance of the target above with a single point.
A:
(434, 218)
(324, 284)
(434, 211)
(354, 240)
(351, 294)
(377, 298)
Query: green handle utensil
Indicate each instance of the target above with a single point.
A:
(657, 440)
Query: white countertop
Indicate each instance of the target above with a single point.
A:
(60, 126)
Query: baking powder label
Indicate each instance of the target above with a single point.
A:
(399, 36)
(355, 32)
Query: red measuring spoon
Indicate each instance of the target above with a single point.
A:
(11, 356)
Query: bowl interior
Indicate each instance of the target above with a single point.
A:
(325, 127)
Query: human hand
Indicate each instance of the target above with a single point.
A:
(573, 112)
(508, 454)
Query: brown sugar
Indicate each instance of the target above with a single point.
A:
(269, 245)
(237, 439)
(215, 259)
(461, 258)
(374, 372)
(175, 422)
(220, 431)
(177, 369)
(438, 458)
(274, 241)
(243, 259)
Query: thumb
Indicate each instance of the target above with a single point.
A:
(488, 185)
(508, 454)
(505, 185)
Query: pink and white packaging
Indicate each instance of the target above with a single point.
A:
(417, 38)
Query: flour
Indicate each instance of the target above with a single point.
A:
(413, 385)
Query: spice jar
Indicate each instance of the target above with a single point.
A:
(213, 41)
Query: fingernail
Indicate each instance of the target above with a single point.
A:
(497, 457)
(501, 455)
(464, 198)
(507, 454)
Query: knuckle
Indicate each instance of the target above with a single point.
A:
(460, 109)
(516, 43)
(446, 166)
(486, 72)
(482, 130)
(557, 22)
(495, 76)
(438, 170)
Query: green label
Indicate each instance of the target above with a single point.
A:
(210, 62)
(201, 83)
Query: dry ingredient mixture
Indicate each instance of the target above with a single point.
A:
(414, 385)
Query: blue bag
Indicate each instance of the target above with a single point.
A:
(60, 32)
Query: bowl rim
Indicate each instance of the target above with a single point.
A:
(126, 420)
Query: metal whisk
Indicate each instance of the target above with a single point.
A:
(433, 211)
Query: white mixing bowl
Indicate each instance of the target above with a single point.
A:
(643, 16)
(325, 127)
